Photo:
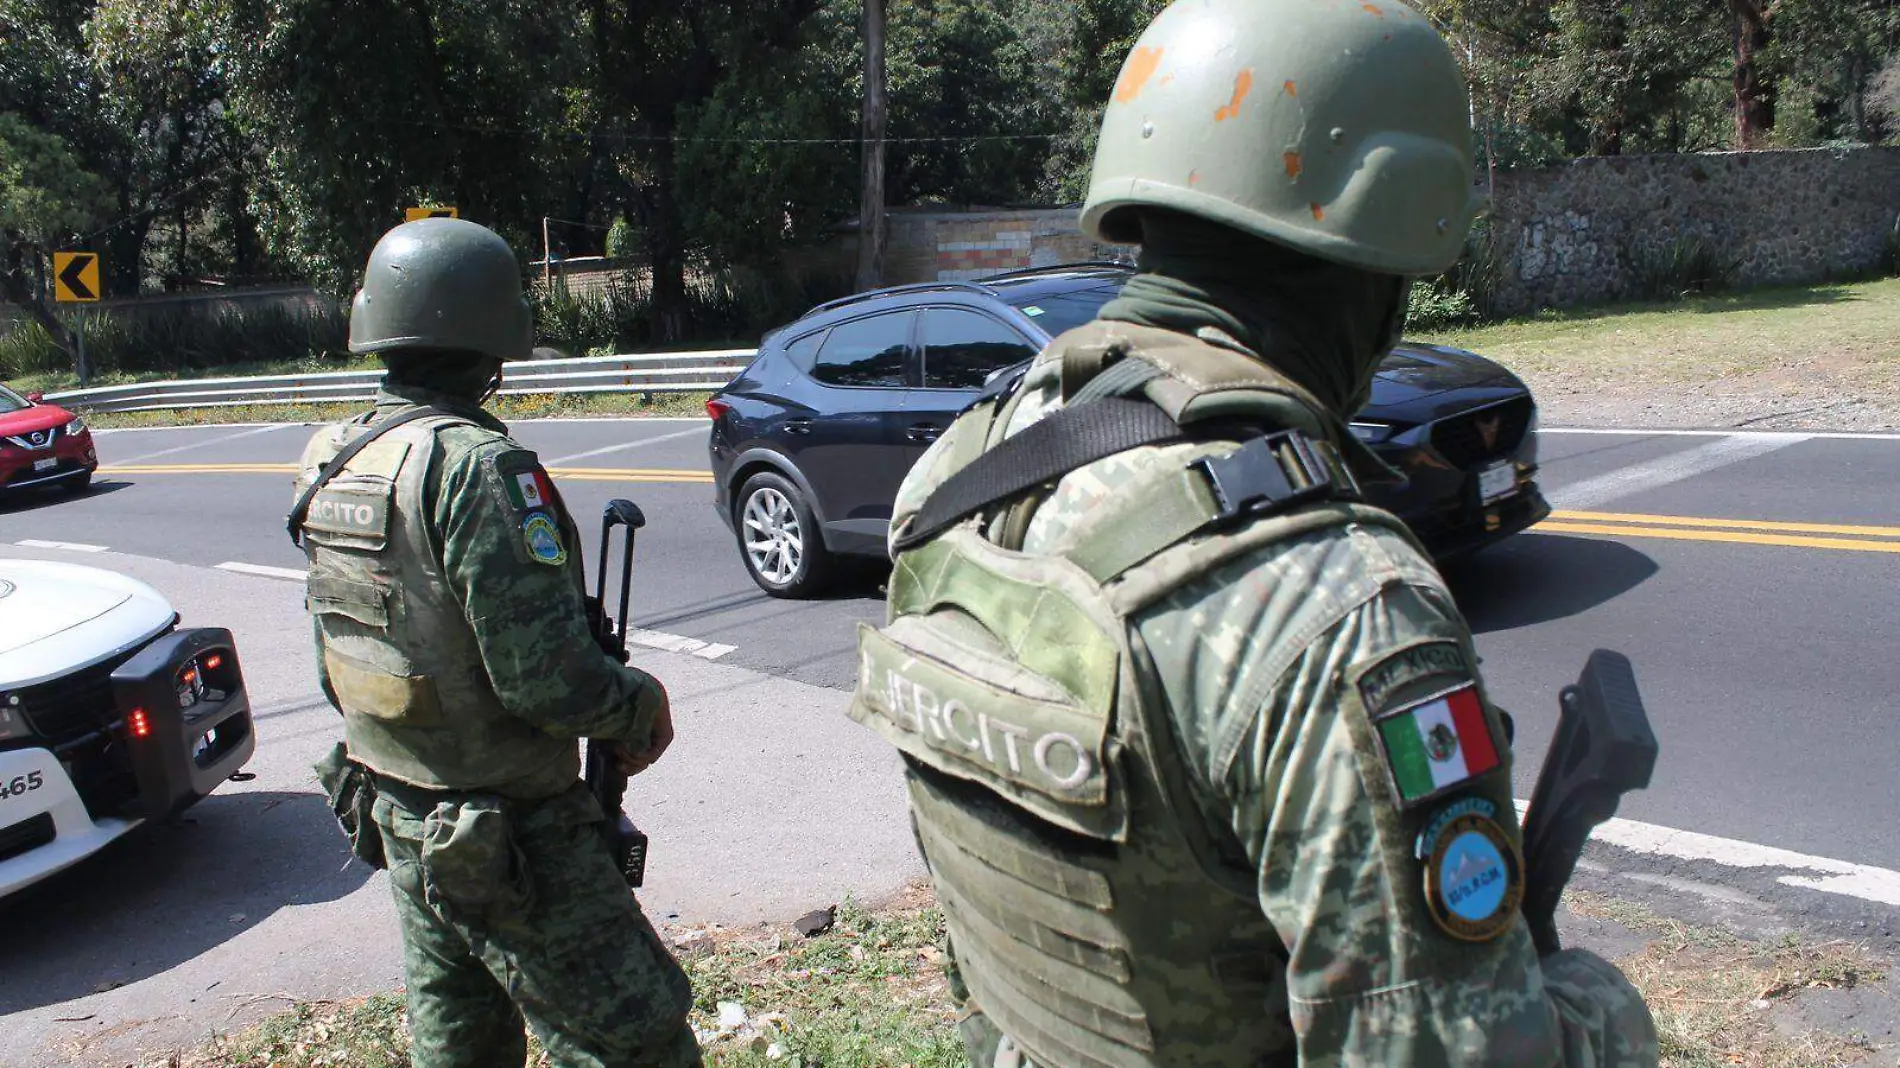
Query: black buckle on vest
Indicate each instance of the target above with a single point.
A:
(1255, 479)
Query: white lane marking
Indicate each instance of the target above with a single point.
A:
(252, 432)
(260, 569)
(559, 460)
(187, 426)
(1637, 478)
(1863, 881)
(69, 546)
(651, 639)
(1637, 432)
(674, 643)
(613, 419)
(512, 422)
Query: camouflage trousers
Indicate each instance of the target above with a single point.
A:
(558, 944)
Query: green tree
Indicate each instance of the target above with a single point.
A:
(1828, 53)
(46, 197)
(362, 110)
(1077, 48)
(652, 67)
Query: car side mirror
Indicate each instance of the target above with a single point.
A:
(35, 397)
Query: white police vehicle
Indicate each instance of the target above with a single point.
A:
(110, 714)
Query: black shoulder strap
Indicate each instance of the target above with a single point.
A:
(1069, 439)
(294, 522)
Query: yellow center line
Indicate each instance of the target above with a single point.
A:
(630, 474)
(198, 469)
(1733, 536)
(582, 474)
(1725, 524)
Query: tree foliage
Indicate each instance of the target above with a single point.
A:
(248, 138)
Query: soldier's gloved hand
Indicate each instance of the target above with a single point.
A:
(633, 763)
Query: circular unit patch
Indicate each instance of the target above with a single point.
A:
(1474, 878)
(543, 539)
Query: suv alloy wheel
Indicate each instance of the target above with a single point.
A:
(779, 539)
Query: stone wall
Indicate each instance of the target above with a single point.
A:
(1585, 232)
(1577, 233)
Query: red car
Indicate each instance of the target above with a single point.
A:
(43, 445)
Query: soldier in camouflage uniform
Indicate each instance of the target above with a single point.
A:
(1197, 750)
(446, 586)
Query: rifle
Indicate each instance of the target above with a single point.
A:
(601, 772)
(1603, 749)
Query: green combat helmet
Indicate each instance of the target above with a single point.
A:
(1339, 129)
(442, 284)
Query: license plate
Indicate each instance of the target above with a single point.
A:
(1497, 482)
(47, 464)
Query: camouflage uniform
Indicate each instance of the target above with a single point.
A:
(446, 590)
(1259, 660)
(1202, 780)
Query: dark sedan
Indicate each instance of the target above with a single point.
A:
(810, 443)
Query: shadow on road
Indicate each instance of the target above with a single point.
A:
(1535, 578)
(168, 893)
(32, 500)
(858, 579)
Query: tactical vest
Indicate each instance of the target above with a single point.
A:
(1094, 916)
(403, 664)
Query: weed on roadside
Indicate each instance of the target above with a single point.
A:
(1714, 995)
(868, 993)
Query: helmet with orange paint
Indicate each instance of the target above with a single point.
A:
(1339, 128)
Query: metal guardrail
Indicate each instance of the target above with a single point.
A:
(666, 372)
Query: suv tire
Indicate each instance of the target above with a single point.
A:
(779, 538)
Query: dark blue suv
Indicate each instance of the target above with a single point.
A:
(810, 443)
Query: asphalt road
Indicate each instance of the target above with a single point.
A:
(1764, 664)
(1750, 577)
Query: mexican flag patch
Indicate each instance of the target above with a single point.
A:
(530, 490)
(1437, 743)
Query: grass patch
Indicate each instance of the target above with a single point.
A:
(870, 993)
(1846, 330)
(1715, 995)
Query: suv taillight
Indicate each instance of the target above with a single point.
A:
(716, 409)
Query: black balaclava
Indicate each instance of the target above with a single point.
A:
(1324, 325)
(465, 376)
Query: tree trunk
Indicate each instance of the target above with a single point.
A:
(247, 245)
(1856, 103)
(1754, 89)
(15, 289)
(666, 248)
(873, 227)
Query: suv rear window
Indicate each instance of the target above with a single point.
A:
(802, 351)
(1060, 313)
(962, 348)
(866, 352)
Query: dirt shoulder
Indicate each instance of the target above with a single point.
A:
(867, 991)
(1812, 358)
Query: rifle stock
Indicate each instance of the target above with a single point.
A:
(600, 767)
(1603, 749)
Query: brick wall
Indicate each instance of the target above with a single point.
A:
(945, 246)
